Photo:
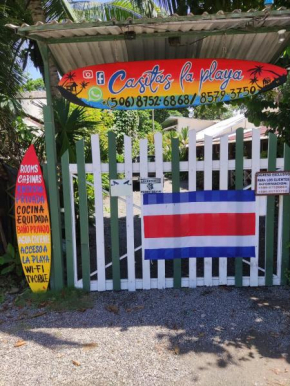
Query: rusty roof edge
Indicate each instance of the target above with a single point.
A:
(158, 20)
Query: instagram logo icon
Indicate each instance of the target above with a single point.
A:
(88, 74)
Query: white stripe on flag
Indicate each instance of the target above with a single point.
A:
(199, 241)
(198, 207)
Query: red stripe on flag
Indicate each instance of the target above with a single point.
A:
(200, 224)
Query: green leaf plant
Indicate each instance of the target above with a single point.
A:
(10, 262)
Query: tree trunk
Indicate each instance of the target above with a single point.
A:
(38, 14)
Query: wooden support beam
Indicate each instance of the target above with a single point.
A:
(54, 204)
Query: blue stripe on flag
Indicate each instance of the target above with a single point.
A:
(183, 253)
(199, 196)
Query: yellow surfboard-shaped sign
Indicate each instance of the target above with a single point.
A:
(32, 223)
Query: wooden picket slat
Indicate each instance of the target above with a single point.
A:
(144, 174)
(115, 249)
(129, 217)
(99, 213)
(270, 216)
(285, 223)
(224, 157)
(175, 189)
(67, 219)
(279, 239)
(74, 237)
(192, 188)
(208, 186)
(84, 219)
(256, 151)
(159, 174)
(239, 182)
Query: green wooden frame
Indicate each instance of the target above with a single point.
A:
(114, 220)
(57, 281)
(270, 214)
(239, 182)
(176, 189)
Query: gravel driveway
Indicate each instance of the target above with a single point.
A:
(206, 336)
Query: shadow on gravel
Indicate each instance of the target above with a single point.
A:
(252, 321)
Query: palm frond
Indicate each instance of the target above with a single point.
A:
(58, 10)
(117, 9)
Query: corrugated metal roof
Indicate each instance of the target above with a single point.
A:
(249, 36)
(222, 127)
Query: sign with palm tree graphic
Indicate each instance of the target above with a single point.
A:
(167, 84)
(261, 80)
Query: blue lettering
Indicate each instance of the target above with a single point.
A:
(149, 79)
(25, 260)
(114, 77)
(185, 75)
(213, 74)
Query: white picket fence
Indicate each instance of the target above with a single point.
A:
(142, 168)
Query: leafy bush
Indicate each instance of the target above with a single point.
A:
(10, 262)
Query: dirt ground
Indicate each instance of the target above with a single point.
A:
(205, 336)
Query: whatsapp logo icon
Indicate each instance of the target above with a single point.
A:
(95, 94)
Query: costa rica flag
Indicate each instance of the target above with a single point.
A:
(213, 223)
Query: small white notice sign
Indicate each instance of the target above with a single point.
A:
(121, 188)
(272, 183)
(151, 185)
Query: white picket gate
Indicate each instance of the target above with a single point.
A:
(256, 276)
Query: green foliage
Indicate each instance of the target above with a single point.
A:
(181, 7)
(103, 121)
(118, 9)
(270, 109)
(183, 144)
(135, 124)
(10, 262)
(11, 77)
(161, 115)
(126, 123)
(15, 135)
(287, 274)
(122, 9)
(215, 111)
(145, 123)
(33, 85)
(68, 299)
(70, 125)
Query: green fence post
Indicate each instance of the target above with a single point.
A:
(54, 204)
(114, 220)
(270, 214)
(45, 176)
(285, 223)
(67, 218)
(84, 219)
(239, 184)
(175, 189)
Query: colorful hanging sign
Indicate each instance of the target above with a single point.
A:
(32, 223)
(165, 84)
(213, 223)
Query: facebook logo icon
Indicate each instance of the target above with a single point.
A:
(100, 78)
